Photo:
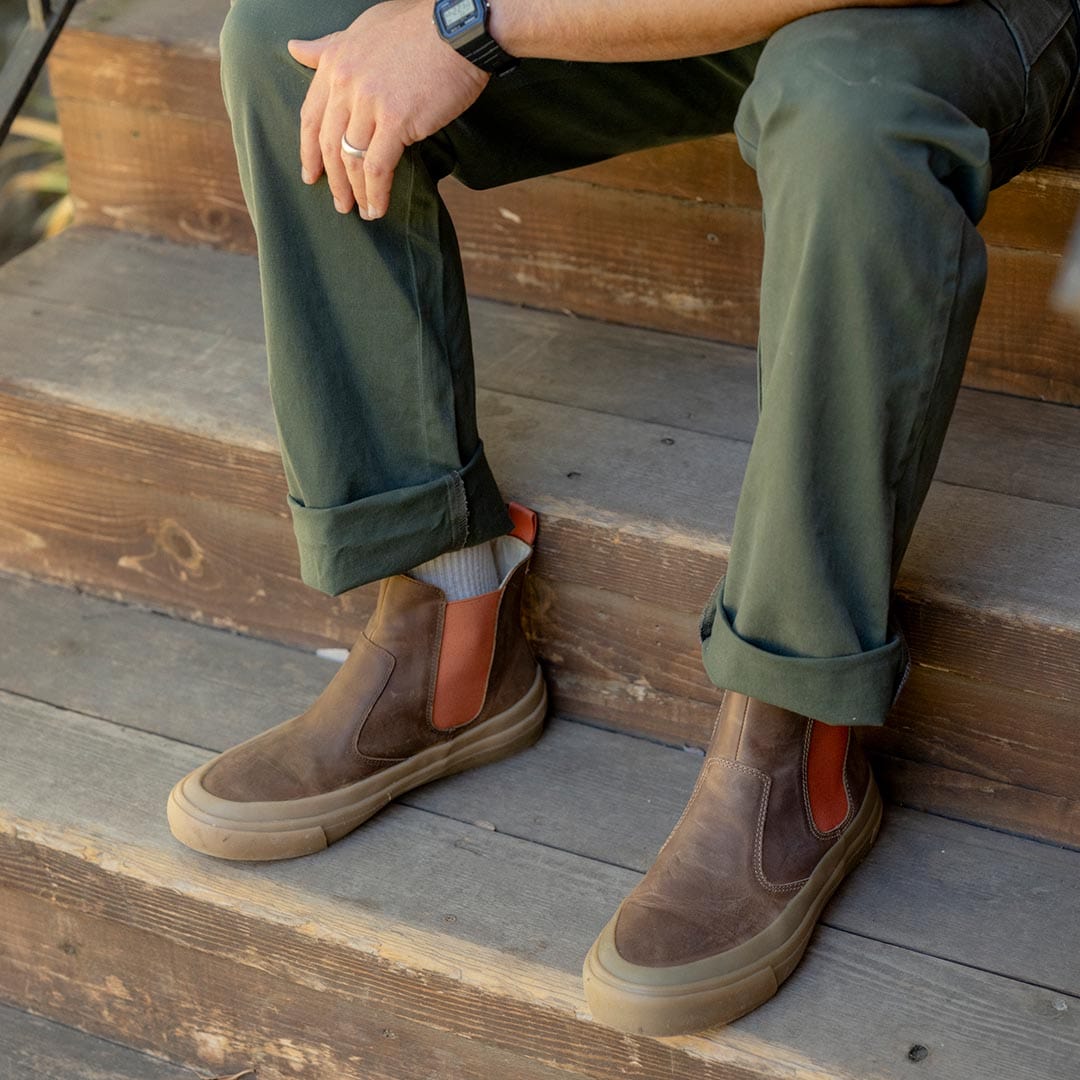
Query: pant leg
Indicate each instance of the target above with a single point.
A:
(877, 135)
(367, 329)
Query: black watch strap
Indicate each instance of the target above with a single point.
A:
(488, 55)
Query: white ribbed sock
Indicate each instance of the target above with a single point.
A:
(463, 573)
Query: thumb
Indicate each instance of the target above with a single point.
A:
(308, 51)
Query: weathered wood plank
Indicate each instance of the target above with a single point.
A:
(997, 804)
(1005, 736)
(114, 375)
(162, 995)
(594, 793)
(189, 517)
(1034, 212)
(972, 550)
(31, 1046)
(100, 59)
(692, 265)
(500, 971)
(95, 852)
(995, 442)
(693, 268)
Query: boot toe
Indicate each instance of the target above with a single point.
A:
(653, 935)
(247, 774)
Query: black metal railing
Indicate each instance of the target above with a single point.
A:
(24, 63)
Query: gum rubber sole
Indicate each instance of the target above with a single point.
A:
(653, 1001)
(285, 830)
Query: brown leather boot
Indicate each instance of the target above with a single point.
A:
(783, 808)
(430, 688)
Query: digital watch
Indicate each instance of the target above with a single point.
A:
(463, 24)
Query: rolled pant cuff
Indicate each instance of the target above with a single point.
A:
(856, 689)
(342, 547)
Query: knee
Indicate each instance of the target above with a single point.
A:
(842, 114)
(252, 46)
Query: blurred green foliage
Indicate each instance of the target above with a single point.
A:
(34, 200)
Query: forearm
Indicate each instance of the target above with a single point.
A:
(623, 30)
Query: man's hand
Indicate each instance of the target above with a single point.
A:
(386, 81)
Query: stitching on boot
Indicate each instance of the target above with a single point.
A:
(433, 668)
(716, 719)
(700, 777)
(804, 777)
(375, 698)
(847, 787)
(759, 838)
(491, 659)
(832, 833)
(698, 784)
(381, 762)
(759, 848)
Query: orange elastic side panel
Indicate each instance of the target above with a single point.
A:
(825, 775)
(525, 522)
(468, 644)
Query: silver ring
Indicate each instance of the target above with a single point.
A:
(348, 148)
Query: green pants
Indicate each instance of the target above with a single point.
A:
(876, 133)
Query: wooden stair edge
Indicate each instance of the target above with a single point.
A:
(1027, 225)
(584, 544)
(345, 1005)
(32, 1045)
(680, 712)
(681, 170)
(84, 866)
(159, 411)
(176, 500)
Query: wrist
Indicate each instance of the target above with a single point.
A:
(508, 25)
(465, 25)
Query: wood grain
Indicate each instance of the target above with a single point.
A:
(94, 886)
(598, 794)
(31, 1046)
(597, 528)
(616, 241)
(91, 284)
(996, 804)
(696, 478)
(1013, 751)
(200, 1005)
(496, 973)
(129, 477)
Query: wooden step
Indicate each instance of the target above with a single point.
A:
(445, 937)
(32, 1048)
(140, 462)
(669, 239)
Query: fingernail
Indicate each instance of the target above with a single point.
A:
(341, 208)
(372, 213)
(307, 176)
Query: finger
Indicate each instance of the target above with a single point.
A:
(308, 50)
(311, 120)
(359, 134)
(381, 160)
(334, 120)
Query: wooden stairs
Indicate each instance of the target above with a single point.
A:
(151, 613)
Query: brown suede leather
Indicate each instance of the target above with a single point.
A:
(745, 844)
(376, 710)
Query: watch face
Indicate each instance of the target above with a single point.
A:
(458, 17)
